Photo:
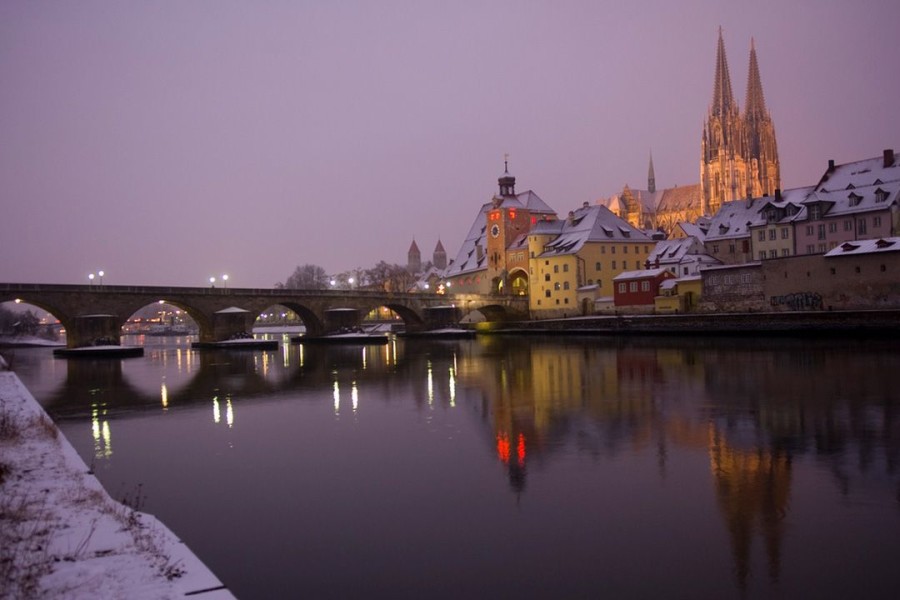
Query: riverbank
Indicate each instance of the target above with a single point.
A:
(865, 323)
(63, 536)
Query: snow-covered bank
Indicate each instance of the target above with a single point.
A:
(63, 536)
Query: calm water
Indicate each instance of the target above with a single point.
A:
(507, 467)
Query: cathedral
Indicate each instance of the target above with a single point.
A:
(738, 159)
(738, 153)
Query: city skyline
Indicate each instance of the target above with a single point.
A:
(165, 144)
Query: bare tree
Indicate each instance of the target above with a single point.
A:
(307, 277)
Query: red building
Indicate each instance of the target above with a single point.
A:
(639, 288)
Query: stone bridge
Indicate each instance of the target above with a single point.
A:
(91, 313)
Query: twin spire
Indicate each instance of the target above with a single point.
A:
(723, 103)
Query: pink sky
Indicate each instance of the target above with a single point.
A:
(165, 142)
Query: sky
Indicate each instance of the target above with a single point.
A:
(167, 142)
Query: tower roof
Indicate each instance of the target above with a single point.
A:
(755, 105)
(439, 247)
(414, 247)
(723, 98)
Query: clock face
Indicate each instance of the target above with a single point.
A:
(495, 230)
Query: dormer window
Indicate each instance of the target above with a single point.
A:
(882, 243)
(815, 212)
(850, 187)
(723, 229)
(855, 199)
(881, 195)
(771, 215)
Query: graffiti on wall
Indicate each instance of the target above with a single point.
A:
(798, 301)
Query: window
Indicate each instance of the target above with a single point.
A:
(861, 226)
(565, 285)
(772, 234)
(556, 286)
(547, 293)
(613, 249)
(785, 233)
(614, 265)
(876, 221)
(624, 249)
(632, 287)
(556, 268)
(809, 230)
(602, 249)
(621, 288)
(810, 249)
(645, 286)
(546, 276)
(565, 268)
(848, 225)
(715, 248)
(785, 252)
(761, 235)
(832, 227)
(762, 255)
(731, 248)
(597, 267)
(822, 231)
(822, 248)
(773, 253)
(565, 300)
(815, 212)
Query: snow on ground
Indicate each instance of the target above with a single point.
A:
(63, 536)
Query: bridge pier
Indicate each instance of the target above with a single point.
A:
(93, 330)
(228, 324)
(342, 318)
(441, 317)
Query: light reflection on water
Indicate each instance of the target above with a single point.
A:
(534, 467)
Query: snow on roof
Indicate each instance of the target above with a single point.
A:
(861, 173)
(591, 223)
(692, 229)
(642, 274)
(891, 244)
(231, 309)
(734, 220)
(858, 199)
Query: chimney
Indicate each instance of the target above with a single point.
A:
(571, 218)
(777, 195)
(830, 165)
(888, 157)
(586, 204)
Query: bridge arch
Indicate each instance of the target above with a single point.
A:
(21, 303)
(311, 321)
(518, 282)
(412, 320)
(129, 309)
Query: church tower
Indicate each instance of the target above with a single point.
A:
(651, 178)
(414, 258)
(764, 172)
(439, 258)
(738, 153)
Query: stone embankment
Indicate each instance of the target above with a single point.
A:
(821, 323)
(62, 536)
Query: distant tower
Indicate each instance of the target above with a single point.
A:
(440, 256)
(651, 178)
(414, 258)
(738, 154)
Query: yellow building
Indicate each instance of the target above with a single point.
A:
(589, 248)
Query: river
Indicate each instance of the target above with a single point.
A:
(506, 467)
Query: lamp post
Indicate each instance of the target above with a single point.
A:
(91, 280)
(225, 280)
(101, 278)
(212, 282)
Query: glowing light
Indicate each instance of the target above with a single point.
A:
(18, 301)
(354, 396)
(217, 415)
(430, 384)
(164, 393)
(452, 387)
(229, 413)
(503, 447)
(520, 449)
(337, 398)
(364, 359)
(212, 281)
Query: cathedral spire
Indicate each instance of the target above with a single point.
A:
(755, 105)
(723, 98)
(651, 178)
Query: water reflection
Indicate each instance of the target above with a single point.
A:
(765, 417)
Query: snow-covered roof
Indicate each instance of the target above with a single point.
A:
(590, 223)
(676, 250)
(857, 199)
(692, 229)
(668, 284)
(891, 244)
(861, 173)
(231, 309)
(734, 220)
(642, 274)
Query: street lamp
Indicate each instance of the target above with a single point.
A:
(91, 280)
(350, 281)
(212, 282)
(225, 280)
(101, 277)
